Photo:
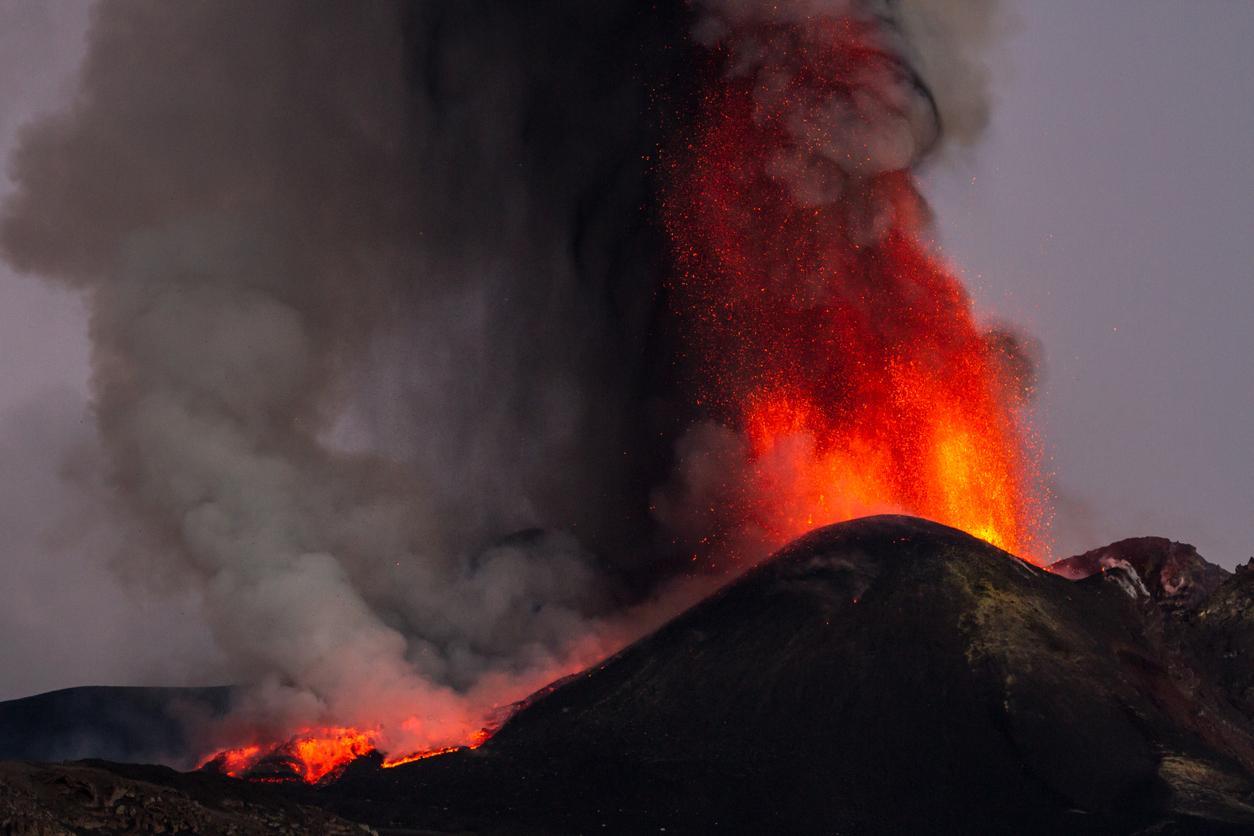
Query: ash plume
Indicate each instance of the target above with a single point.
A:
(361, 295)
(383, 361)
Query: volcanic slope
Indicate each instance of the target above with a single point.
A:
(1173, 574)
(881, 675)
(886, 675)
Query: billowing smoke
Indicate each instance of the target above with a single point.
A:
(383, 362)
(365, 302)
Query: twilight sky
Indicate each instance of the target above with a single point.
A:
(1109, 213)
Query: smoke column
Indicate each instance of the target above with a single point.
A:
(357, 330)
(385, 359)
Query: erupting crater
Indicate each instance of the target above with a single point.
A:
(823, 330)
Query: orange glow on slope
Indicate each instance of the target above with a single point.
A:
(237, 761)
(420, 756)
(476, 740)
(317, 755)
(824, 329)
(320, 755)
(312, 755)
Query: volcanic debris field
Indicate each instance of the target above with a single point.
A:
(883, 675)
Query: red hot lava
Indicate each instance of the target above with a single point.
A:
(314, 755)
(824, 329)
(319, 754)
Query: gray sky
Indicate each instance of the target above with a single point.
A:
(65, 619)
(1112, 216)
(1108, 213)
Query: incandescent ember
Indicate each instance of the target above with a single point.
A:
(825, 331)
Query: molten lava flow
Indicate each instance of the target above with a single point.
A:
(476, 740)
(316, 755)
(322, 754)
(419, 756)
(823, 328)
(310, 756)
(236, 762)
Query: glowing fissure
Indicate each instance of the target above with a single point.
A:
(318, 754)
(823, 331)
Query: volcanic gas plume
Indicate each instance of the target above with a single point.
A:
(430, 339)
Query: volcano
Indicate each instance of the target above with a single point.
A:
(887, 674)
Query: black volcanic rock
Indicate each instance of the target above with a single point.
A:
(1173, 574)
(887, 675)
(1225, 637)
(88, 798)
(1200, 614)
(883, 675)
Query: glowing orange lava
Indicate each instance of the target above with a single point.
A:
(237, 761)
(476, 740)
(822, 326)
(310, 756)
(320, 755)
(419, 756)
(315, 755)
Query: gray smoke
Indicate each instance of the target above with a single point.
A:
(379, 363)
(927, 87)
(340, 348)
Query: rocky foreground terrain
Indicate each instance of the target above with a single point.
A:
(76, 798)
(882, 675)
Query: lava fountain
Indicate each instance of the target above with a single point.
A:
(824, 328)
